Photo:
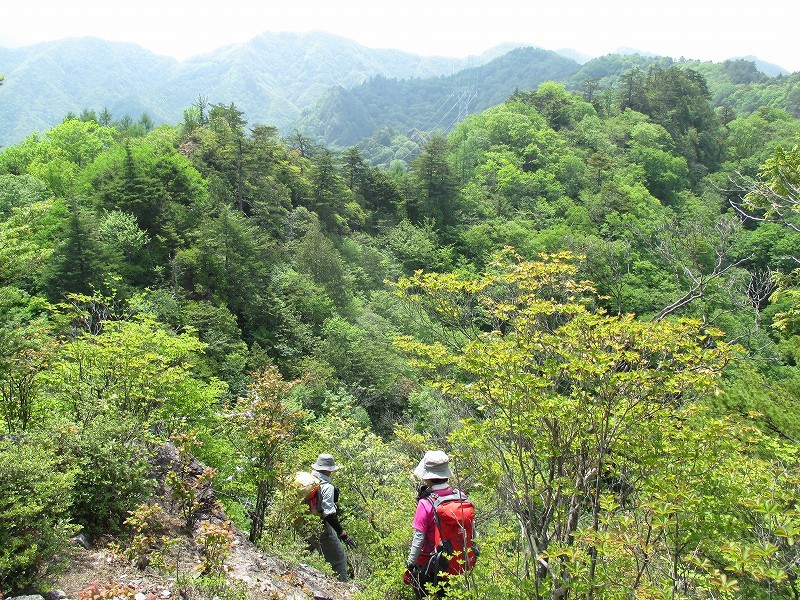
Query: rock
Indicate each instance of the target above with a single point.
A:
(295, 594)
(55, 595)
(82, 540)
(31, 597)
(140, 596)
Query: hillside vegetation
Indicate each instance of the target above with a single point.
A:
(589, 302)
(390, 118)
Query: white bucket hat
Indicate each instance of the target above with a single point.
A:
(325, 462)
(434, 465)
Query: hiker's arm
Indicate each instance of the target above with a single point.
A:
(333, 520)
(327, 501)
(423, 518)
(417, 541)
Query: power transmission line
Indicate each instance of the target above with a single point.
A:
(463, 97)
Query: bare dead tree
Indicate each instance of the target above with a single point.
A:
(748, 292)
(767, 202)
(678, 245)
(762, 285)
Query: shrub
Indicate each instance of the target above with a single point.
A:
(186, 488)
(149, 545)
(111, 472)
(216, 541)
(35, 493)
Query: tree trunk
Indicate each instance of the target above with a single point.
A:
(257, 522)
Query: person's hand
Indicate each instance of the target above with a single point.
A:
(347, 540)
(411, 575)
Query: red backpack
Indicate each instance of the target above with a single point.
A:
(454, 516)
(307, 486)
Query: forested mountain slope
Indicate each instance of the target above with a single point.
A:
(735, 84)
(349, 92)
(46, 81)
(592, 304)
(343, 117)
(273, 76)
(383, 113)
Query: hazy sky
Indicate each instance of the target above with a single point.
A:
(702, 29)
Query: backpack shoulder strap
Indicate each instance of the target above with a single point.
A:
(314, 499)
(435, 502)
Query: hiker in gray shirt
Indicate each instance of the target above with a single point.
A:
(332, 538)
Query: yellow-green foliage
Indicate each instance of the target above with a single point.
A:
(588, 430)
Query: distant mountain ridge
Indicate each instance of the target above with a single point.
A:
(275, 78)
(45, 81)
(767, 68)
(272, 78)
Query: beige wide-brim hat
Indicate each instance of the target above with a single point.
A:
(434, 465)
(325, 462)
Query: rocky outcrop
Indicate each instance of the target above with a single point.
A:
(97, 567)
